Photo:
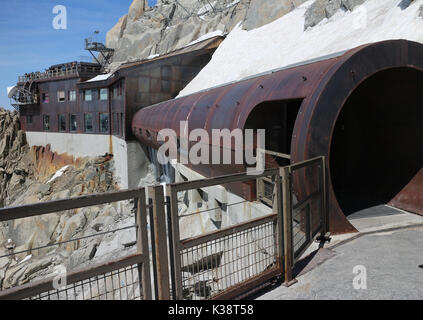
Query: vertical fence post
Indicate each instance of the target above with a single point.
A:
(153, 241)
(287, 225)
(142, 246)
(280, 224)
(174, 217)
(171, 243)
(325, 197)
(160, 245)
(324, 234)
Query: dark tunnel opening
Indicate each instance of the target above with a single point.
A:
(377, 142)
(278, 120)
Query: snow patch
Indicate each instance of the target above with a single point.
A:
(233, 3)
(100, 77)
(152, 56)
(26, 258)
(284, 41)
(217, 33)
(58, 173)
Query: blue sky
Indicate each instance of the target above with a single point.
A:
(28, 41)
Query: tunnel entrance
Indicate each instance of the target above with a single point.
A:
(377, 142)
(278, 119)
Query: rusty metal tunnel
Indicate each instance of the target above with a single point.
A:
(362, 109)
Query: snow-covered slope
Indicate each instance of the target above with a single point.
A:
(284, 41)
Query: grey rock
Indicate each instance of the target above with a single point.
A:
(116, 32)
(169, 26)
(137, 9)
(72, 226)
(4, 146)
(44, 189)
(261, 12)
(404, 4)
(99, 223)
(351, 4)
(322, 9)
(38, 265)
(332, 6)
(14, 276)
(64, 194)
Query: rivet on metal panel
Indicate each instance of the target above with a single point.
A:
(353, 75)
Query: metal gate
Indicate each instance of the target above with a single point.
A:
(226, 262)
(304, 206)
(230, 261)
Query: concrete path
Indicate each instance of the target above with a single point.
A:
(383, 261)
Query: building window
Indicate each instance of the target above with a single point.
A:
(45, 97)
(120, 88)
(104, 94)
(46, 123)
(28, 119)
(72, 123)
(121, 127)
(60, 96)
(71, 95)
(88, 122)
(62, 122)
(115, 92)
(166, 86)
(104, 122)
(88, 95)
(115, 124)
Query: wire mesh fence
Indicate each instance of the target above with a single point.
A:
(203, 243)
(223, 261)
(121, 284)
(233, 244)
(108, 276)
(308, 201)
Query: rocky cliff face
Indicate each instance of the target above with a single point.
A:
(171, 25)
(30, 175)
(15, 164)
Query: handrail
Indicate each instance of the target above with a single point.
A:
(30, 210)
(45, 285)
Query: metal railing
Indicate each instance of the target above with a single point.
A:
(228, 261)
(116, 280)
(60, 73)
(48, 75)
(229, 258)
(304, 206)
(109, 280)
